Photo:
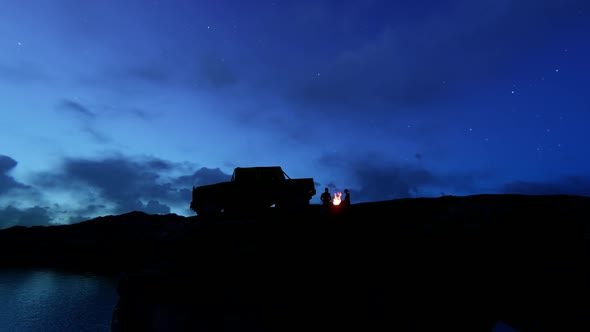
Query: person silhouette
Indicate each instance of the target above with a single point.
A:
(326, 198)
(346, 200)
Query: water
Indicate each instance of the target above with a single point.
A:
(50, 300)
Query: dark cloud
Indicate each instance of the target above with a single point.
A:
(121, 181)
(89, 212)
(217, 72)
(376, 72)
(7, 182)
(128, 184)
(382, 182)
(155, 207)
(289, 129)
(413, 61)
(140, 113)
(196, 71)
(73, 106)
(34, 216)
(96, 135)
(573, 185)
(135, 77)
(22, 73)
(204, 176)
(86, 116)
(150, 74)
(159, 164)
(6, 164)
(378, 179)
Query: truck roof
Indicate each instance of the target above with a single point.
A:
(259, 167)
(259, 170)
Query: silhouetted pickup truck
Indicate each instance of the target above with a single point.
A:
(253, 188)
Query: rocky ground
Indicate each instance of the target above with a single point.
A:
(457, 263)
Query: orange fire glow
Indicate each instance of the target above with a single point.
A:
(337, 199)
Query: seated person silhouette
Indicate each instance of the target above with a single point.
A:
(326, 198)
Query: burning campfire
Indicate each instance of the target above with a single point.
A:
(337, 199)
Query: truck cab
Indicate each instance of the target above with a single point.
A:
(253, 188)
(258, 174)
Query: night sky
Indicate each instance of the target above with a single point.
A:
(112, 106)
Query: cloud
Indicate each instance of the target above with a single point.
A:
(16, 198)
(86, 116)
(121, 181)
(22, 73)
(6, 164)
(88, 212)
(217, 71)
(377, 179)
(119, 184)
(204, 176)
(188, 72)
(154, 207)
(573, 185)
(373, 178)
(34, 216)
(413, 61)
(376, 71)
(75, 107)
(96, 135)
(287, 128)
(7, 182)
(149, 74)
(136, 76)
(126, 80)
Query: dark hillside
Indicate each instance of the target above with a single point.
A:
(457, 263)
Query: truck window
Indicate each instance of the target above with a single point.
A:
(245, 175)
(271, 174)
(258, 174)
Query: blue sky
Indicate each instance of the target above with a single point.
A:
(112, 106)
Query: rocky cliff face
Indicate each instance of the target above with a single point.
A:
(461, 263)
